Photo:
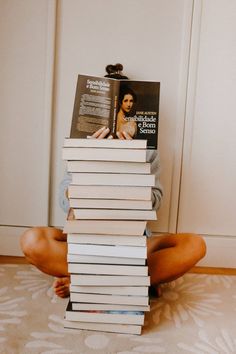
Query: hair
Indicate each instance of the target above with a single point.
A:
(115, 72)
(126, 90)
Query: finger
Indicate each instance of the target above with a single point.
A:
(120, 136)
(103, 133)
(110, 137)
(127, 136)
(97, 133)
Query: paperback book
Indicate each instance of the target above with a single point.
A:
(122, 317)
(110, 269)
(110, 192)
(86, 306)
(104, 327)
(109, 166)
(110, 299)
(111, 290)
(78, 258)
(95, 239)
(93, 203)
(120, 105)
(105, 154)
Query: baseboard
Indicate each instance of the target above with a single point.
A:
(10, 240)
(220, 252)
(210, 270)
(220, 249)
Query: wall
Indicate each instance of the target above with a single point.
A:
(26, 51)
(151, 39)
(208, 192)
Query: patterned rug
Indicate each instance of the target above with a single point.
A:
(196, 314)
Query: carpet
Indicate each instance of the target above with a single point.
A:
(195, 314)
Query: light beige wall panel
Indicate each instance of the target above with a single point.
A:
(151, 39)
(208, 189)
(26, 52)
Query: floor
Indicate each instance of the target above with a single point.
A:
(196, 314)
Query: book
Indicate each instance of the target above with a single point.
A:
(108, 251)
(77, 258)
(125, 317)
(105, 143)
(111, 290)
(110, 227)
(78, 306)
(104, 327)
(113, 179)
(121, 105)
(114, 214)
(110, 192)
(110, 204)
(109, 167)
(106, 154)
(109, 299)
(130, 240)
(109, 280)
(107, 269)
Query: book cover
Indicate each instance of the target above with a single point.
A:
(104, 154)
(105, 143)
(110, 269)
(109, 167)
(121, 240)
(110, 192)
(78, 258)
(103, 227)
(114, 214)
(110, 299)
(111, 290)
(86, 306)
(124, 317)
(93, 203)
(113, 179)
(121, 105)
(109, 280)
(104, 327)
(107, 250)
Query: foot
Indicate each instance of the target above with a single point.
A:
(62, 286)
(155, 291)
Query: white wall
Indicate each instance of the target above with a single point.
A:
(26, 46)
(151, 39)
(26, 74)
(208, 189)
(208, 194)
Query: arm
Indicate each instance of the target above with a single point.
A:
(63, 192)
(157, 190)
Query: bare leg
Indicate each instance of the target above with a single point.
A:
(171, 256)
(46, 248)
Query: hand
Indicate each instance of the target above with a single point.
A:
(101, 133)
(123, 136)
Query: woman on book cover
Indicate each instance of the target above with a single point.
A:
(124, 120)
(169, 256)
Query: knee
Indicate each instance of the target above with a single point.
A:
(195, 245)
(32, 242)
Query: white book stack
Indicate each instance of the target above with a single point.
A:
(110, 200)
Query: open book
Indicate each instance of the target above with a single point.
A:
(122, 105)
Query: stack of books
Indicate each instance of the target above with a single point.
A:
(110, 200)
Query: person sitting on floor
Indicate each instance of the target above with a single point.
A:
(169, 256)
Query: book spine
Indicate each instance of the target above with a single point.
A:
(115, 106)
